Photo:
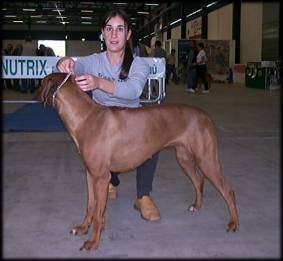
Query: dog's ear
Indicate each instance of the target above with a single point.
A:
(48, 86)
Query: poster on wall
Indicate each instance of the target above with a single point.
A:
(219, 55)
(217, 52)
(194, 28)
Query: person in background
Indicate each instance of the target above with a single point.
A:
(171, 66)
(28, 84)
(143, 50)
(159, 51)
(139, 49)
(18, 84)
(8, 51)
(202, 67)
(41, 51)
(49, 52)
(230, 75)
(116, 78)
(191, 67)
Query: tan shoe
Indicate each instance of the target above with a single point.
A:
(112, 191)
(147, 208)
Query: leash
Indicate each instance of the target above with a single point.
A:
(58, 88)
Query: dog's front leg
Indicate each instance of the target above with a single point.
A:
(100, 188)
(83, 228)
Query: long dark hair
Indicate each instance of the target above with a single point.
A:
(128, 57)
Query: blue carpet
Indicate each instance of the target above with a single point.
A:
(33, 117)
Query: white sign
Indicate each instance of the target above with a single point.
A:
(37, 67)
(27, 67)
(157, 67)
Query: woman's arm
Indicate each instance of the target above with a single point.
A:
(131, 88)
(90, 82)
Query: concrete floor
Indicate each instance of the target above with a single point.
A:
(44, 190)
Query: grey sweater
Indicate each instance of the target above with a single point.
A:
(127, 92)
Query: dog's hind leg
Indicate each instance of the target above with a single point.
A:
(83, 228)
(186, 161)
(211, 169)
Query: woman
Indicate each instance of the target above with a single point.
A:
(191, 67)
(202, 67)
(117, 79)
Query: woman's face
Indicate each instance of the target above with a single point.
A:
(116, 34)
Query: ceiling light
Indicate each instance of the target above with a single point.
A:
(211, 4)
(86, 11)
(41, 22)
(28, 9)
(59, 9)
(10, 16)
(85, 22)
(86, 17)
(18, 21)
(142, 12)
(195, 12)
(176, 21)
(152, 4)
(119, 3)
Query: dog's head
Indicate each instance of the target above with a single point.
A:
(49, 85)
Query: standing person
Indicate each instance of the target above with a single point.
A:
(202, 67)
(28, 84)
(8, 51)
(49, 52)
(41, 51)
(117, 79)
(171, 66)
(159, 51)
(143, 51)
(191, 67)
(139, 49)
(18, 84)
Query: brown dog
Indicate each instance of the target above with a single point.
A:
(113, 139)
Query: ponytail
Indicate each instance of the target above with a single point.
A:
(127, 62)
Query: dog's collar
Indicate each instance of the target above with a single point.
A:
(62, 83)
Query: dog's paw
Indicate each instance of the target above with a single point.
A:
(192, 208)
(232, 226)
(89, 245)
(79, 230)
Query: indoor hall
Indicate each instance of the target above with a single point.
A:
(43, 178)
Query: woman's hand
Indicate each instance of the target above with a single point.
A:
(87, 82)
(66, 64)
